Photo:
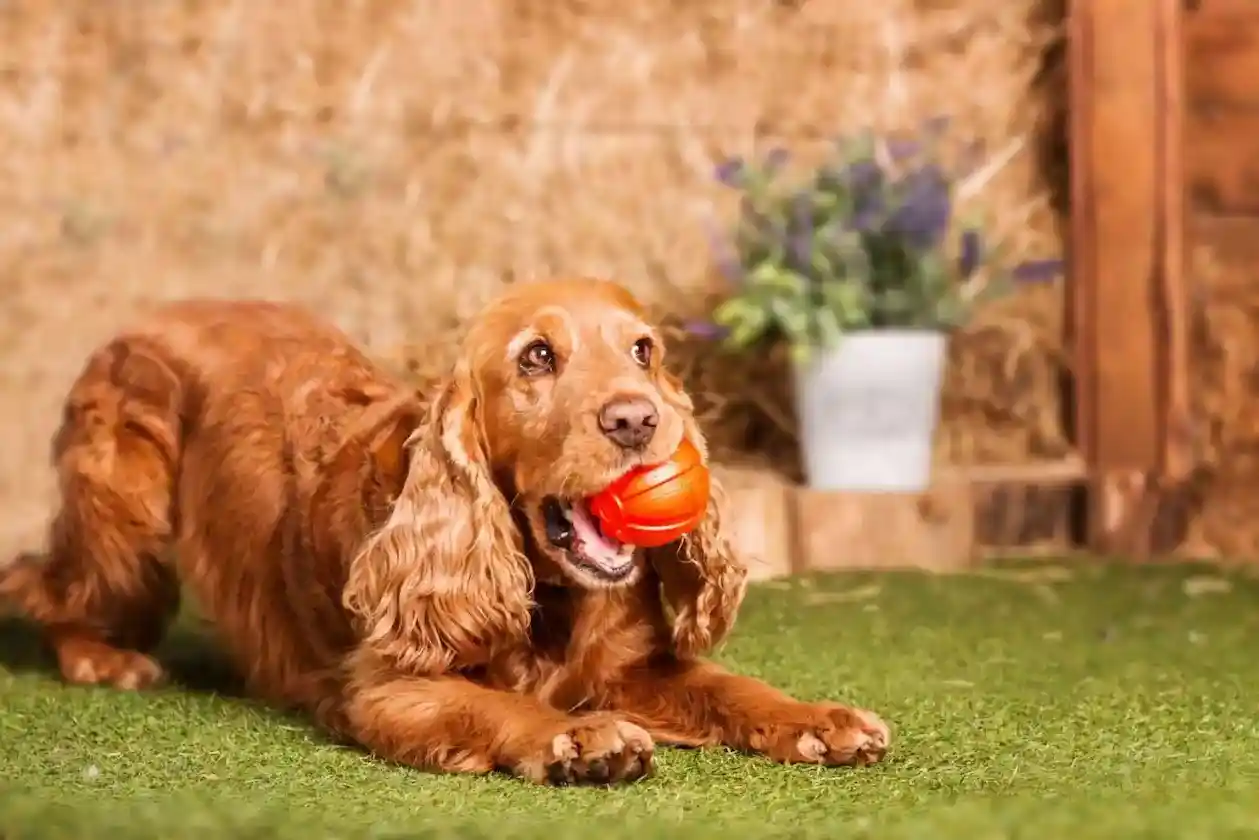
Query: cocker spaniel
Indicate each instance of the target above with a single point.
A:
(417, 573)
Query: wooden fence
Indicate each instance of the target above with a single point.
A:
(1165, 161)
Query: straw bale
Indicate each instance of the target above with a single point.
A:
(393, 163)
(1224, 492)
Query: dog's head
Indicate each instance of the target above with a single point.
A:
(559, 390)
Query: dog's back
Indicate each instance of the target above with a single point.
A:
(213, 428)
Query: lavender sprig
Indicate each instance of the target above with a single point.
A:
(861, 241)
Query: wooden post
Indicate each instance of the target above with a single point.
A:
(1129, 301)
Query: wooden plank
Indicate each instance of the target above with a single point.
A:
(1080, 326)
(969, 513)
(1130, 293)
(1071, 470)
(932, 531)
(1227, 7)
(1114, 116)
(1222, 44)
(758, 512)
(1178, 457)
(1222, 158)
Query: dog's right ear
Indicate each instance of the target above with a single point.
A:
(363, 476)
(444, 583)
(384, 435)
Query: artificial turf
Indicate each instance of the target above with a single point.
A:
(1043, 701)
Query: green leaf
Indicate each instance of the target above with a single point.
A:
(822, 264)
(792, 316)
(853, 256)
(859, 147)
(745, 334)
(951, 312)
(829, 330)
(847, 302)
(746, 321)
(773, 279)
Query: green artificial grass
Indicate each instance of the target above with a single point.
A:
(1070, 700)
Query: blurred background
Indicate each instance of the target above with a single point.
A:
(392, 163)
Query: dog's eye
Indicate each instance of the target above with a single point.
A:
(641, 351)
(537, 358)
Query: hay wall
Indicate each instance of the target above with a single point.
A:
(1223, 519)
(1221, 94)
(394, 162)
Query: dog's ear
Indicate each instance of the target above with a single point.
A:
(386, 443)
(444, 584)
(702, 580)
(364, 474)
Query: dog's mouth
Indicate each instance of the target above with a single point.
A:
(572, 528)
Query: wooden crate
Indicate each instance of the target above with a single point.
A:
(840, 530)
(758, 514)
(968, 514)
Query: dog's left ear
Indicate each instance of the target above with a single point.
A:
(444, 582)
(702, 580)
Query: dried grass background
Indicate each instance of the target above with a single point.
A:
(394, 162)
(1224, 514)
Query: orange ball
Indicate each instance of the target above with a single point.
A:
(654, 505)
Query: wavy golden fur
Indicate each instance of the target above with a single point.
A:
(409, 569)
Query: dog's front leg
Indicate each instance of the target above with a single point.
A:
(452, 724)
(696, 703)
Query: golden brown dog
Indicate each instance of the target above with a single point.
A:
(420, 577)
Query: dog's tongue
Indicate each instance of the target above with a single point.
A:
(594, 544)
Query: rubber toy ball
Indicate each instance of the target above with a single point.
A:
(656, 504)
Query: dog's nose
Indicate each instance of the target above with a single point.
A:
(629, 421)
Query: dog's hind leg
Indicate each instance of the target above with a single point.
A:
(105, 592)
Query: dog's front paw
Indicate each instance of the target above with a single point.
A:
(597, 750)
(825, 733)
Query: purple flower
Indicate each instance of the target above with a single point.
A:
(731, 172)
(801, 246)
(865, 180)
(971, 253)
(801, 229)
(922, 218)
(706, 329)
(867, 219)
(1037, 271)
(864, 175)
(903, 149)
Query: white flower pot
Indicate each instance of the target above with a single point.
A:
(868, 410)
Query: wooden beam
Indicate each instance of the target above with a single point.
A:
(1178, 457)
(1129, 301)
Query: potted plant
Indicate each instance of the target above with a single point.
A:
(860, 267)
